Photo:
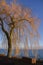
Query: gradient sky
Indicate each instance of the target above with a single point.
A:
(37, 9)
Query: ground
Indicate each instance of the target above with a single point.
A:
(18, 61)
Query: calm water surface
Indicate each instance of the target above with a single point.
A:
(21, 54)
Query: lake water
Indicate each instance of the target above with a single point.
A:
(21, 54)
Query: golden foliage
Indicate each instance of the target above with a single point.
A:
(17, 17)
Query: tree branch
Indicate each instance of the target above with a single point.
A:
(12, 23)
(2, 25)
(8, 38)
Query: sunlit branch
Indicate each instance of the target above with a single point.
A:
(12, 23)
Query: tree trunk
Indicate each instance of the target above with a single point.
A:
(8, 38)
(9, 43)
(9, 47)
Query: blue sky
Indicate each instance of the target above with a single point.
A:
(37, 10)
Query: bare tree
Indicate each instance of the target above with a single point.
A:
(17, 23)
